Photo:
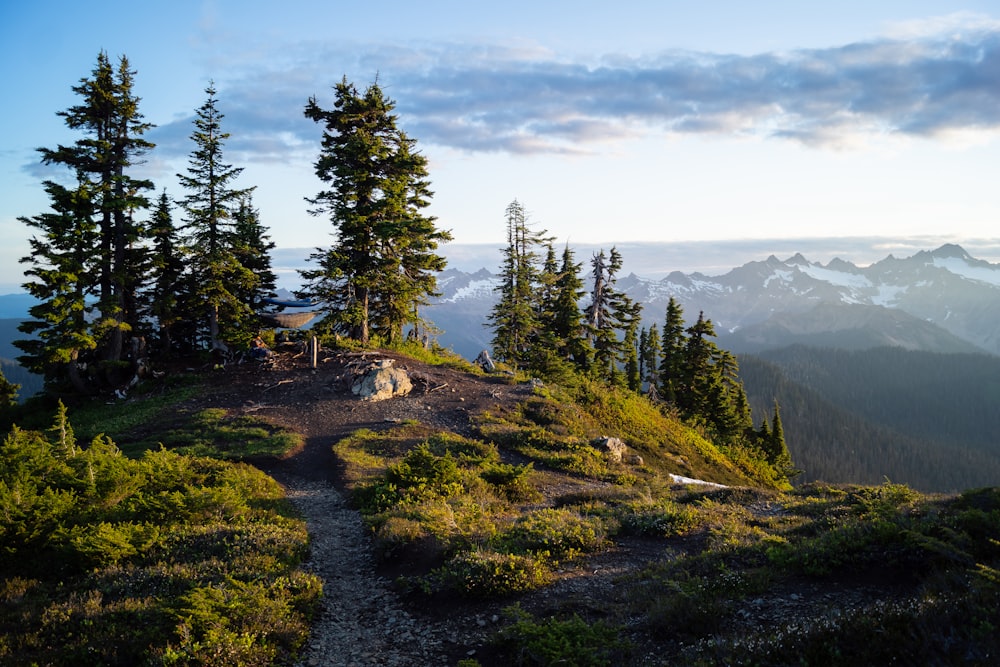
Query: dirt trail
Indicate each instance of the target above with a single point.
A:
(362, 620)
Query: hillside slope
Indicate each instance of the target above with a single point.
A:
(833, 439)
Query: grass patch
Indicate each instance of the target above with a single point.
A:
(213, 432)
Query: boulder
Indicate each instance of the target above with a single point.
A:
(382, 382)
(615, 448)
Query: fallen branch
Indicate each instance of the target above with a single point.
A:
(440, 386)
(280, 382)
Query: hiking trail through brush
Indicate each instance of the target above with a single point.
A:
(363, 620)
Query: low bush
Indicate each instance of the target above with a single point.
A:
(660, 518)
(512, 480)
(572, 641)
(484, 574)
(164, 559)
(556, 534)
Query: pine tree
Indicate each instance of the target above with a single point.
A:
(696, 376)
(630, 356)
(252, 247)
(91, 248)
(384, 264)
(515, 318)
(649, 354)
(776, 448)
(62, 260)
(546, 358)
(612, 320)
(8, 392)
(166, 269)
(567, 320)
(673, 343)
(216, 276)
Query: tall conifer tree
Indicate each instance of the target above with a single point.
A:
(166, 270)
(383, 263)
(252, 246)
(612, 319)
(217, 278)
(89, 250)
(649, 355)
(567, 322)
(673, 342)
(515, 317)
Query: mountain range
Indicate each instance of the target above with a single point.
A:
(942, 300)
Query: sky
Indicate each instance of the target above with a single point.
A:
(727, 130)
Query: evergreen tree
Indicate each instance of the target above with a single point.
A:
(217, 278)
(649, 354)
(166, 269)
(252, 247)
(90, 249)
(630, 350)
(515, 317)
(612, 320)
(383, 264)
(727, 409)
(698, 382)
(567, 320)
(8, 392)
(62, 266)
(673, 343)
(776, 448)
(548, 292)
(546, 356)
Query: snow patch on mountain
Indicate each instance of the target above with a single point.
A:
(839, 278)
(946, 287)
(476, 289)
(989, 274)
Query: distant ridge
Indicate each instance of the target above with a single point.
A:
(942, 300)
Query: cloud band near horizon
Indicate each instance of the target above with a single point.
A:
(525, 101)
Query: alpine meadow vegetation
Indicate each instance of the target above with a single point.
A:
(608, 500)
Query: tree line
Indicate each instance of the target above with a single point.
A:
(119, 280)
(539, 326)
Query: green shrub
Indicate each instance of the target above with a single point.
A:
(422, 474)
(553, 641)
(112, 546)
(484, 574)
(235, 623)
(555, 533)
(511, 480)
(661, 518)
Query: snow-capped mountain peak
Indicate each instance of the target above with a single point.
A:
(945, 287)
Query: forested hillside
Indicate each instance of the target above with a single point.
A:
(923, 419)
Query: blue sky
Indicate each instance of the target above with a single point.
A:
(628, 122)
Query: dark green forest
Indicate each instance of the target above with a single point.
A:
(924, 419)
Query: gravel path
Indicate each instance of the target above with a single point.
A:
(360, 621)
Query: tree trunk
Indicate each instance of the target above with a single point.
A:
(73, 373)
(363, 332)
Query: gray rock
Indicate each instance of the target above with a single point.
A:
(381, 383)
(615, 448)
